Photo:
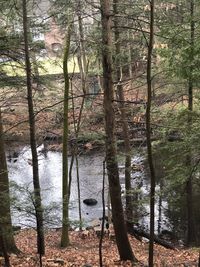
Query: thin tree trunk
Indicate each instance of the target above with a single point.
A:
(103, 218)
(122, 241)
(160, 207)
(191, 236)
(7, 239)
(70, 175)
(129, 191)
(148, 134)
(65, 189)
(36, 182)
(130, 58)
(82, 55)
(82, 41)
(72, 151)
(75, 148)
(79, 193)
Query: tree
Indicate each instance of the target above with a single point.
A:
(181, 27)
(36, 181)
(122, 241)
(6, 230)
(148, 133)
(65, 189)
(81, 48)
(120, 93)
(191, 236)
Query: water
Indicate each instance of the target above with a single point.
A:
(90, 172)
(168, 214)
(50, 171)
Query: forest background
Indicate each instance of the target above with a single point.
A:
(85, 76)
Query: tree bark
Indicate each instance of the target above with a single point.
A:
(36, 182)
(191, 236)
(82, 54)
(122, 241)
(4, 250)
(103, 218)
(65, 190)
(148, 134)
(7, 240)
(129, 191)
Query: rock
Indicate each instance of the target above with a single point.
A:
(90, 201)
(87, 265)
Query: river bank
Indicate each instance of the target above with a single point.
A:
(48, 98)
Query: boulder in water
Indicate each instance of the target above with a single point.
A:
(90, 201)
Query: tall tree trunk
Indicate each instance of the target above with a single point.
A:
(191, 236)
(36, 182)
(129, 194)
(65, 189)
(103, 217)
(81, 39)
(122, 241)
(148, 134)
(75, 151)
(7, 240)
(82, 54)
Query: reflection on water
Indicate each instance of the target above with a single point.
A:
(50, 170)
(90, 172)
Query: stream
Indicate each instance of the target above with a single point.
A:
(50, 171)
(169, 204)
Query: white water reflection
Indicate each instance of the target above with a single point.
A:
(90, 172)
(50, 171)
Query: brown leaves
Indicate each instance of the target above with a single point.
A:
(84, 252)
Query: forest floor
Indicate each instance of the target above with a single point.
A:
(84, 252)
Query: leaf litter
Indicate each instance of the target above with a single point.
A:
(84, 252)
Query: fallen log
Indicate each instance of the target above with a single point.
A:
(138, 232)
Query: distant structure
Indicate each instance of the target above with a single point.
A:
(50, 33)
(47, 30)
(44, 29)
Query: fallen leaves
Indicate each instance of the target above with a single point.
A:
(84, 252)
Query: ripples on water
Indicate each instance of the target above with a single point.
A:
(50, 171)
